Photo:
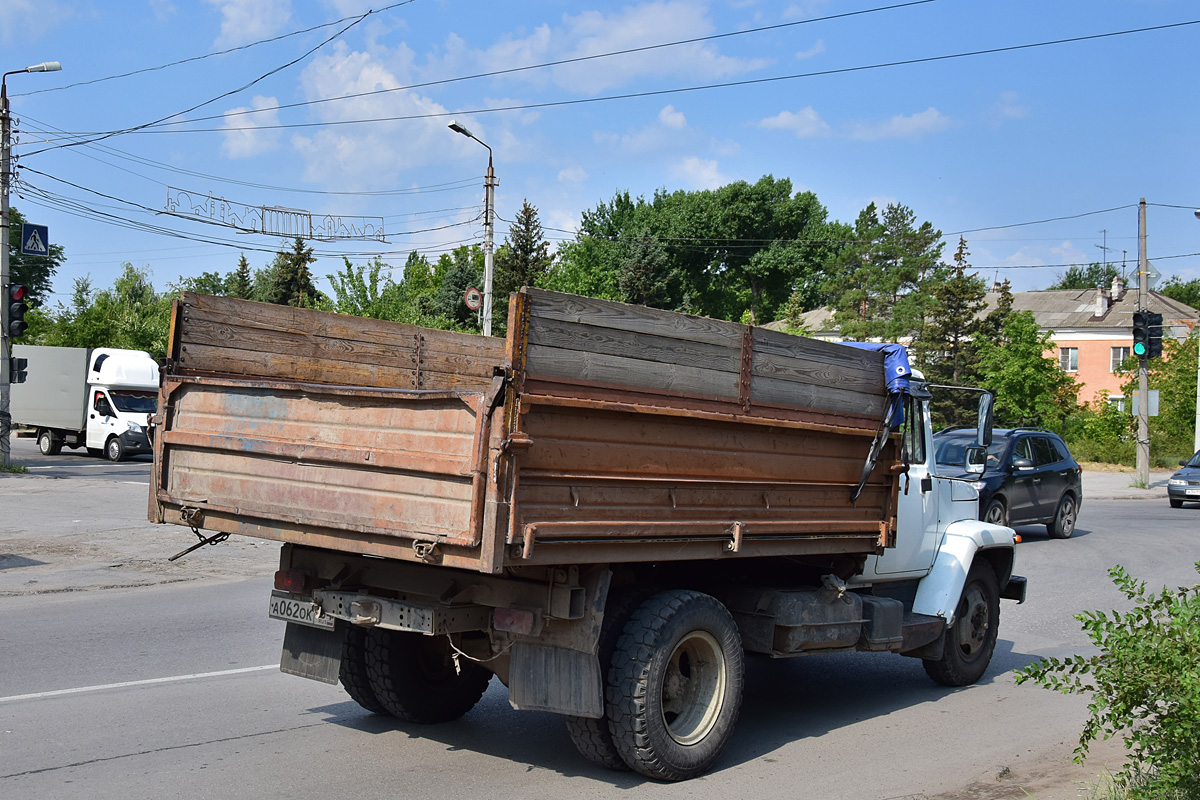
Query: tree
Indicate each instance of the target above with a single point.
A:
(205, 282)
(364, 291)
(35, 273)
(130, 315)
(458, 271)
(523, 260)
(1181, 290)
(1030, 387)
(882, 279)
(292, 283)
(240, 283)
(1089, 277)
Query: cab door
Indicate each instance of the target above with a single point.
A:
(918, 532)
(102, 421)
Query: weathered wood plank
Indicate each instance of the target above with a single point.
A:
(307, 322)
(231, 361)
(215, 334)
(807, 395)
(585, 338)
(636, 319)
(614, 370)
(793, 358)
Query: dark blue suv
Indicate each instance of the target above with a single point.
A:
(1030, 477)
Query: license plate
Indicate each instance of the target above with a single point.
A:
(1193, 492)
(287, 608)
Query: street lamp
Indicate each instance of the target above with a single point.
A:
(489, 209)
(5, 180)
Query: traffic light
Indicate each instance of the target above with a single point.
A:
(16, 369)
(1141, 335)
(1154, 334)
(17, 307)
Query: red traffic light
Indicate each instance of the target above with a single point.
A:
(16, 292)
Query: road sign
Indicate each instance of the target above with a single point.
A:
(1152, 401)
(35, 240)
(473, 298)
(1152, 275)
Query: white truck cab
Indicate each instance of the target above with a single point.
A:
(99, 398)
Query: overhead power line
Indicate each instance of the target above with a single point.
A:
(193, 59)
(663, 92)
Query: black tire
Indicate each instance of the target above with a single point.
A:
(353, 671)
(413, 677)
(48, 445)
(675, 685)
(114, 450)
(593, 737)
(1064, 519)
(969, 642)
(1176, 503)
(996, 513)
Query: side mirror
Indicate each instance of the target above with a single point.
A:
(984, 419)
(976, 459)
(1022, 463)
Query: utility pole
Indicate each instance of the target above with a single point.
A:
(1143, 410)
(489, 218)
(5, 180)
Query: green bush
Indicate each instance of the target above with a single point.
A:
(1103, 451)
(1145, 686)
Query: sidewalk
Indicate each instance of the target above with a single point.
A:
(1099, 485)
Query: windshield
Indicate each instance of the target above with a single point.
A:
(134, 402)
(952, 451)
(1195, 460)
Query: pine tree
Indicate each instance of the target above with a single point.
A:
(240, 283)
(293, 283)
(523, 260)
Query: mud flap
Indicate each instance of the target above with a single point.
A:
(555, 679)
(314, 653)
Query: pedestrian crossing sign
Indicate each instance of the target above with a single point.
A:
(35, 240)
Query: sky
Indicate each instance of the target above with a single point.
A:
(1031, 128)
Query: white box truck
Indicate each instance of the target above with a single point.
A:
(98, 398)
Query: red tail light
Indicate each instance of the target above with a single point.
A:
(293, 580)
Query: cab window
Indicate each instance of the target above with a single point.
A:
(914, 433)
(1023, 449)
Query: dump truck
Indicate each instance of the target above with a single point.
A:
(98, 398)
(607, 510)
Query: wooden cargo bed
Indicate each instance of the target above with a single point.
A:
(598, 433)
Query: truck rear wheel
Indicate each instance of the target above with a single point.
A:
(969, 642)
(47, 444)
(353, 671)
(592, 737)
(414, 678)
(675, 685)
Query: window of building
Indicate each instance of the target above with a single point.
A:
(1068, 359)
(1119, 354)
(1118, 402)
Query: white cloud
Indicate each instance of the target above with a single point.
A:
(806, 123)
(1008, 106)
(575, 174)
(671, 118)
(592, 33)
(245, 21)
(901, 127)
(376, 155)
(699, 173)
(244, 137)
(30, 19)
(162, 9)
(815, 50)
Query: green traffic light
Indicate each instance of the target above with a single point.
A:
(1139, 348)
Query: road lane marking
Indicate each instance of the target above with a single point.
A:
(148, 682)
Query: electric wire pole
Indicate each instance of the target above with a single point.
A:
(1143, 409)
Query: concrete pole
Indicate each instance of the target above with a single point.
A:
(1143, 410)
(1196, 441)
(5, 348)
(489, 224)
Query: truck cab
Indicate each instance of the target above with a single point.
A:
(123, 394)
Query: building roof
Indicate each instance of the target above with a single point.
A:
(1060, 309)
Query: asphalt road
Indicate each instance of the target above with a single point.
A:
(169, 688)
(78, 463)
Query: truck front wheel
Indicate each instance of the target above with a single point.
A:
(675, 685)
(114, 450)
(47, 444)
(414, 677)
(969, 642)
